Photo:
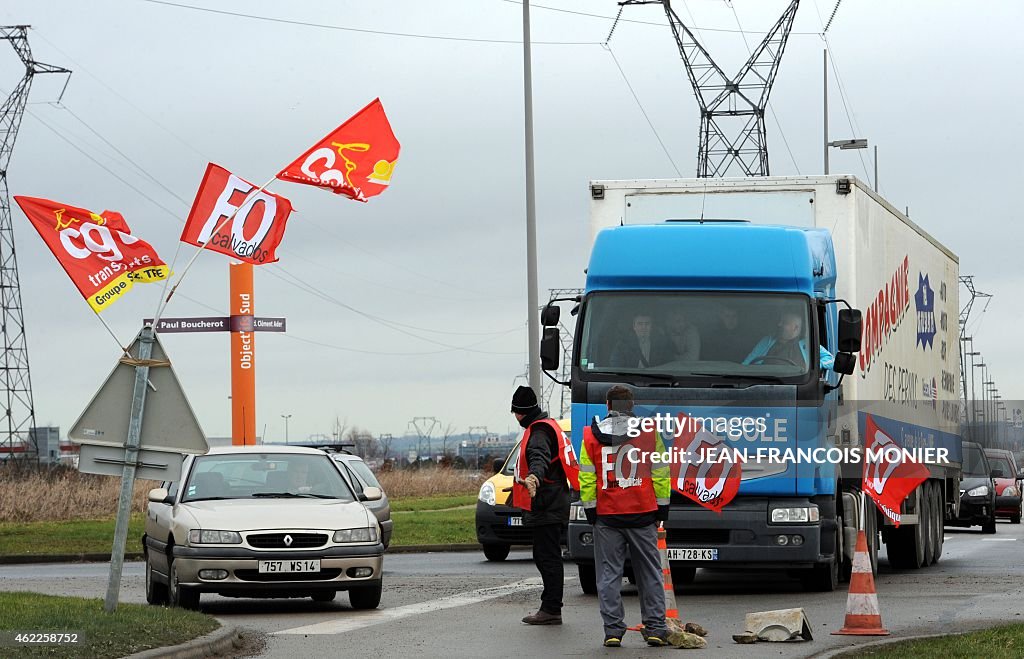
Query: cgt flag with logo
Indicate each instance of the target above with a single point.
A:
(704, 469)
(356, 159)
(889, 475)
(98, 252)
(258, 221)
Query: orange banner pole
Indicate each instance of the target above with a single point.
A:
(243, 356)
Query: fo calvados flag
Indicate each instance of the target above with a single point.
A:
(356, 159)
(889, 474)
(257, 221)
(704, 469)
(98, 252)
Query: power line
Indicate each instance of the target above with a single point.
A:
(832, 17)
(642, 110)
(850, 117)
(327, 26)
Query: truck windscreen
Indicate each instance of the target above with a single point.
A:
(691, 334)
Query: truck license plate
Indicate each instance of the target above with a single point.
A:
(267, 567)
(692, 554)
(515, 521)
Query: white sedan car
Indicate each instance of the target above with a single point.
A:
(261, 521)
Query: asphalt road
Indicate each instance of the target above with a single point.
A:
(460, 605)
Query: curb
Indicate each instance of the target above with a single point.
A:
(21, 559)
(215, 643)
(416, 549)
(850, 650)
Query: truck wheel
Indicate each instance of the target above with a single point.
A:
(938, 530)
(822, 578)
(924, 518)
(683, 575)
(496, 552)
(588, 578)
(871, 531)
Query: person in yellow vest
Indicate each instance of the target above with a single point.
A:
(544, 470)
(625, 494)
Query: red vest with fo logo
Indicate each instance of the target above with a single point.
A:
(623, 474)
(571, 466)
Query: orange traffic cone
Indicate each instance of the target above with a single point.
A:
(862, 615)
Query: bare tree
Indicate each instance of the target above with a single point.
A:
(449, 430)
(365, 443)
(384, 443)
(339, 428)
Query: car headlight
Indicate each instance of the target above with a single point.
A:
(1010, 491)
(213, 537)
(577, 513)
(979, 491)
(802, 515)
(366, 534)
(487, 494)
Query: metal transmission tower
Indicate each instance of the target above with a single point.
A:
(967, 281)
(14, 372)
(731, 102)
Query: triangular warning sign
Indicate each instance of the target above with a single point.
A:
(168, 422)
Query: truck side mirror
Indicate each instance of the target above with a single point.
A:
(849, 330)
(549, 315)
(844, 363)
(550, 349)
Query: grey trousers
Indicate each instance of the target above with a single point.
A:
(611, 545)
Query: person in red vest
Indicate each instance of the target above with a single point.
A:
(625, 494)
(545, 468)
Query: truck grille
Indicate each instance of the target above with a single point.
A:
(281, 540)
(687, 537)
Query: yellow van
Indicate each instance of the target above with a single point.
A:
(498, 524)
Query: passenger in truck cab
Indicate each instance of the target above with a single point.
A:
(725, 339)
(644, 346)
(683, 336)
(788, 345)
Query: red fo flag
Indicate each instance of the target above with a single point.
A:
(256, 228)
(889, 475)
(704, 468)
(98, 252)
(355, 160)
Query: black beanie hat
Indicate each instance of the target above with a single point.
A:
(524, 400)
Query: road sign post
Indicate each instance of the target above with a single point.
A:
(131, 454)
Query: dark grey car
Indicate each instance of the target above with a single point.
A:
(361, 477)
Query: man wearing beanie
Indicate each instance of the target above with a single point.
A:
(542, 491)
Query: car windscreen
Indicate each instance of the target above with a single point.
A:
(265, 475)
(510, 464)
(362, 470)
(1002, 463)
(696, 334)
(975, 463)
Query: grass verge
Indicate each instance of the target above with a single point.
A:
(132, 628)
(434, 528)
(1006, 641)
(432, 503)
(80, 536)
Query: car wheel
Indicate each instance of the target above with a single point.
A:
(588, 578)
(1016, 518)
(324, 595)
(180, 596)
(156, 593)
(366, 597)
(990, 525)
(496, 552)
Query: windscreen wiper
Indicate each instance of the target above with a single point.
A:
(737, 376)
(292, 495)
(663, 377)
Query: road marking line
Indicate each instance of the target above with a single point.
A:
(999, 539)
(357, 620)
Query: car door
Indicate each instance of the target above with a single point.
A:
(158, 524)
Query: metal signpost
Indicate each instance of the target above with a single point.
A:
(142, 435)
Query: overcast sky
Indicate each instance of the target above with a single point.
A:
(443, 250)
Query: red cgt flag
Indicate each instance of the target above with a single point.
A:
(259, 219)
(98, 252)
(700, 471)
(356, 159)
(889, 476)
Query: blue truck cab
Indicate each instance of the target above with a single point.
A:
(732, 322)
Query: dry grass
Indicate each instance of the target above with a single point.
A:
(62, 494)
(429, 482)
(65, 494)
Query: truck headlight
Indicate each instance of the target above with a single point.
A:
(801, 515)
(980, 491)
(213, 537)
(367, 534)
(487, 493)
(577, 513)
